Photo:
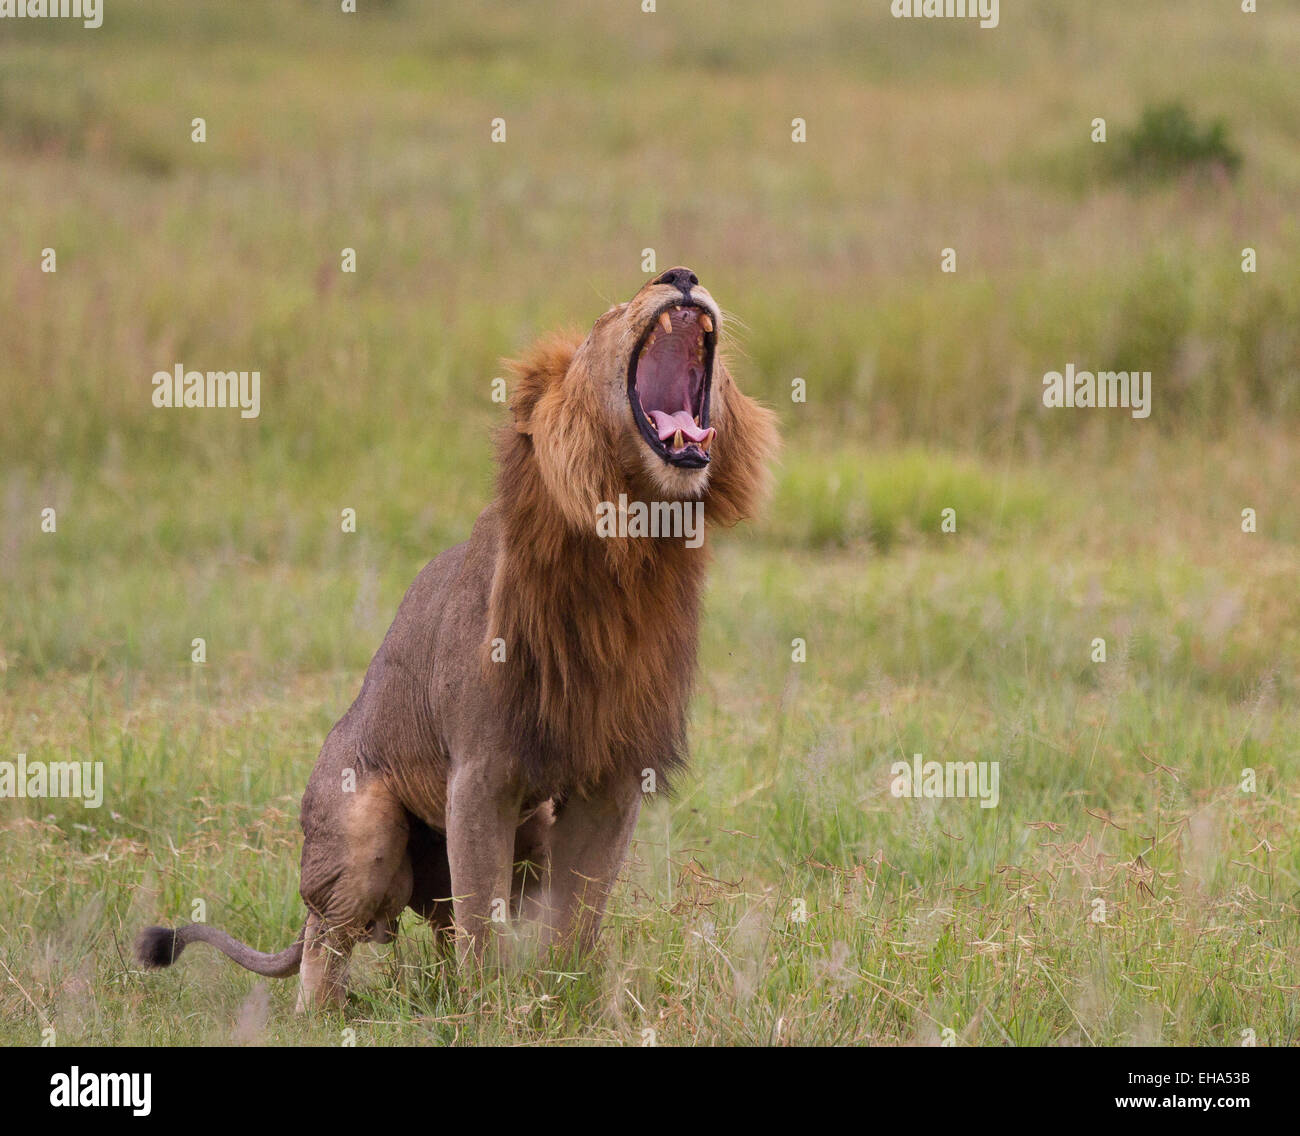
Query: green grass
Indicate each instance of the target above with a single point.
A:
(1120, 781)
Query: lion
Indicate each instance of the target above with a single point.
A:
(536, 676)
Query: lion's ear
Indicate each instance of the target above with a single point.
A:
(747, 440)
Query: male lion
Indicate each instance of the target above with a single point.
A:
(536, 672)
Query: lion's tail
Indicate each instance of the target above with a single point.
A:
(161, 946)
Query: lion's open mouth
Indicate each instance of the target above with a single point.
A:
(669, 380)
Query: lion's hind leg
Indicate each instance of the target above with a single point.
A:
(323, 974)
(356, 879)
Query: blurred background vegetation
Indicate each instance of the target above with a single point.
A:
(625, 131)
(672, 131)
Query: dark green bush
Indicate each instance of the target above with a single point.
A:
(1167, 141)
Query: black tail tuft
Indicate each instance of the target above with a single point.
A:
(158, 946)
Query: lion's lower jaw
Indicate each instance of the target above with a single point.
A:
(674, 482)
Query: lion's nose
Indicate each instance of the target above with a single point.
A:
(681, 278)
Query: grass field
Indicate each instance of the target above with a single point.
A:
(1120, 781)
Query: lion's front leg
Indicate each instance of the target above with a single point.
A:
(588, 845)
(482, 814)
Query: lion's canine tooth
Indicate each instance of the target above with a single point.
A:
(697, 420)
(705, 322)
(707, 442)
(666, 323)
(677, 440)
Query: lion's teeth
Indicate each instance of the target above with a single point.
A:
(705, 322)
(697, 420)
(665, 323)
(704, 445)
(677, 440)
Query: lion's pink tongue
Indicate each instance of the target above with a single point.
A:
(669, 424)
